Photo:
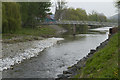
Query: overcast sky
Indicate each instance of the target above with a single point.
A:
(101, 6)
(106, 7)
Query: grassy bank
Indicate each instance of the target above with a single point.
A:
(37, 31)
(104, 63)
(29, 34)
(44, 31)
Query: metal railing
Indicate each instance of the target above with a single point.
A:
(81, 23)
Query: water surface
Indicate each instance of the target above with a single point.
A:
(52, 61)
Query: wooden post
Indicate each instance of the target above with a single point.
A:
(74, 29)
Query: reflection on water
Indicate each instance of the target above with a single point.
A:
(54, 60)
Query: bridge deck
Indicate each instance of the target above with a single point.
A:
(82, 23)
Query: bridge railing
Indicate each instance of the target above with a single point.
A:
(82, 23)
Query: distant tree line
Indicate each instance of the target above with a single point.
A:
(80, 14)
(74, 14)
(64, 13)
(18, 15)
(100, 17)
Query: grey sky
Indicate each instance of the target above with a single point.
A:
(101, 6)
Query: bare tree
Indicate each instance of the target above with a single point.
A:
(60, 5)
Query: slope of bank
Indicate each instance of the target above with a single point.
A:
(104, 63)
(99, 63)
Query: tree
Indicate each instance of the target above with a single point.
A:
(60, 5)
(74, 14)
(32, 12)
(117, 3)
(11, 19)
(97, 17)
(27, 13)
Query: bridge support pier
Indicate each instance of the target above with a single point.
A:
(74, 29)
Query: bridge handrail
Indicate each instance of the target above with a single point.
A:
(82, 22)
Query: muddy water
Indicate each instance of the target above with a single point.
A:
(52, 61)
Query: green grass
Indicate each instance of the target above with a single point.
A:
(104, 63)
(36, 31)
(44, 32)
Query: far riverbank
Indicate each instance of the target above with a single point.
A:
(28, 34)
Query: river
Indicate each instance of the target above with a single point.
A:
(52, 61)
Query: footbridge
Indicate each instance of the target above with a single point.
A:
(89, 23)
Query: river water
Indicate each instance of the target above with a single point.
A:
(52, 61)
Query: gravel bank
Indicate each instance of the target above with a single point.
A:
(16, 53)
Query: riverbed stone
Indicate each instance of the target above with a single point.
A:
(67, 72)
(63, 76)
(92, 51)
